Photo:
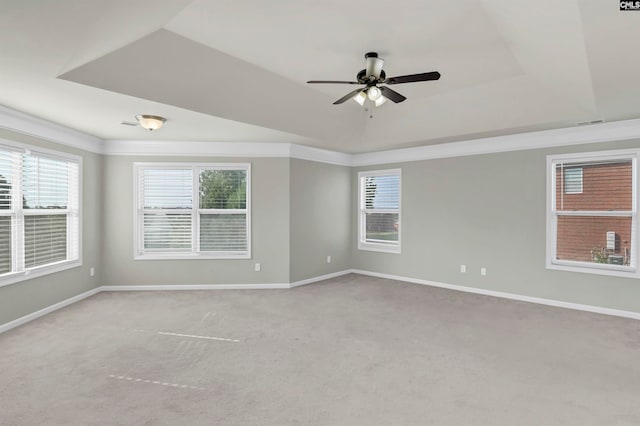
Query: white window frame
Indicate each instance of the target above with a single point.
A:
(632, 270)
(74, 226)
(195, 211)
(363, 244)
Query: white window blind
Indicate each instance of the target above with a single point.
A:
(7, 214)
(223, 210)
(167, 207)
(192, 210)
(39, 212)
(573, 180)
(379, 204)
(593, 212)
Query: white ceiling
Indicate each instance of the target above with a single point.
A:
(236, 70)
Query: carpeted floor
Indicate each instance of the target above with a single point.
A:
(349, 351)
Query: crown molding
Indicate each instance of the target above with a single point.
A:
(20, 122)
(195, 148)
(224, 149)
(606, 132)
(303, 152)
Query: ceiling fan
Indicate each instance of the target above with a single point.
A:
(372, 76)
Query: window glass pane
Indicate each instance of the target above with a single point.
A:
(6, 173)
(382, 192)
(573, 180)
(167, 232)
(167, 188)
(223, 189)
(5, 244)
(223, 232)
(45, 183)
(594, 239)
(604, 186)
(45, 239)
(381, 227)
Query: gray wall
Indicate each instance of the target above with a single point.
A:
(320, 215)
(270, 230)
(487, 211)
(482, 211)
(25, 297)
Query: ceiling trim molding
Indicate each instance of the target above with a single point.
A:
(20, 122)
(606, 132)
(224, 149)
(303, 152)
(195, 148)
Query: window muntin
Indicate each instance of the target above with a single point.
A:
(594, 229)
(39, 213)
(379, 210)
(193, 210)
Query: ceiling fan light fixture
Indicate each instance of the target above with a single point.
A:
(374, 93)
(371, 77)
(360, 98)
(150, 122)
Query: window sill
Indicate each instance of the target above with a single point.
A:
(383, 248)
(587, 268)
(191, 256)
(40, 271)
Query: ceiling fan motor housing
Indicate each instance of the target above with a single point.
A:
(364, 79)
(374, 66)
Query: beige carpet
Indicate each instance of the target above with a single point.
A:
(349, 351)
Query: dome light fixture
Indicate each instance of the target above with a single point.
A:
(374, 93)
(360, 98)
(150, 122)
(380, 100)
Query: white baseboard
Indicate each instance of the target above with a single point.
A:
(177, 287)
(550, 302)
(530, 299)
(35, 315)
(320, 278)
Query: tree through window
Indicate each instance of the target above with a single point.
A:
(193, 210)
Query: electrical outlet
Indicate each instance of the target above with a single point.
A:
(92, 271)
(257, 267)
(328, 259)
(463, 268)
(483, 271)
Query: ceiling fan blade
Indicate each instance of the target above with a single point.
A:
(129, 123)
(331, 82)
(412, 78)
(392, 94)
(348, 96)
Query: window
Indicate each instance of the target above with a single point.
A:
(379, 211)
(39, 213)
(592, 213)
(573, 180)
(192, 211)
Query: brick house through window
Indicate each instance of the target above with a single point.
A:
(593, 204)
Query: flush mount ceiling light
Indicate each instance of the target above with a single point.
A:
(150, 122)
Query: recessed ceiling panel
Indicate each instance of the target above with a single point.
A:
(327, 40)
(170, 69)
